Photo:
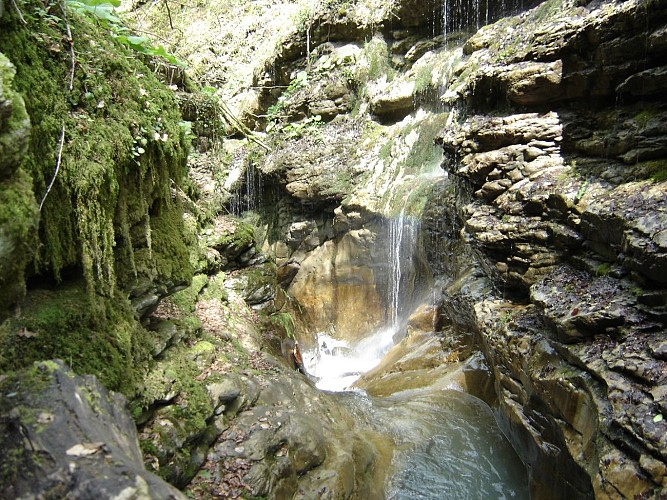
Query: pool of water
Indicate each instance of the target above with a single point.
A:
(447, 444)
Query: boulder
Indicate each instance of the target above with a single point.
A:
(396, 102)
(67, 436)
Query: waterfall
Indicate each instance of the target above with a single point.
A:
(247, 194)
(402, 236)
(464, 15)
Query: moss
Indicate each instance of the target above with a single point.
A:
(603, 269)
(644, 117)
(655, 170)
(232, 238)
(170, 255)
(123, 144)
(374, 62)
(215, 288)
(385, 150)
(424, 78)
(18, 223)
(100, 337)
(186, 299)
(15, 125)
(177, 374)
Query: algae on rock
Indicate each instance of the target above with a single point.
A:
(122, 148)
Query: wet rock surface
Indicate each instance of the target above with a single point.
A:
(558, 208)
(65, 435)
(548, 241)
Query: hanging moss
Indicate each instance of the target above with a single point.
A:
(100, 337)
(18, 220)
(123, 144)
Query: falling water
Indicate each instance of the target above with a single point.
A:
(401, 243)
(468, 15)
(247, 194)
(337, 364)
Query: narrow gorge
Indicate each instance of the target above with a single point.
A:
(342, 249)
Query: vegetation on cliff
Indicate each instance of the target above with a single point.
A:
(106, 153)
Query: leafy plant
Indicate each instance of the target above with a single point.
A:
(285, 322)
(274, 113)
(308, 125)
(581, 191)
(104, 13)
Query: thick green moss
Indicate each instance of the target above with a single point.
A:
(186, 299)
(123, 150)
(100, 337)
(18, 224)
(170, 254)
(655, 170)
(177, 374)
(14, 121)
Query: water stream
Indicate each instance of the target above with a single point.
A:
(447, 443)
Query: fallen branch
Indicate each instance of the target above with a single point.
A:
(229, 117)
(18, 11)
(58, 160)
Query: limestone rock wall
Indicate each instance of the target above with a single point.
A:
(558, 164)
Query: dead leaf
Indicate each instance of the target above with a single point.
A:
(45, 418)
(84, 449)
(25, 333)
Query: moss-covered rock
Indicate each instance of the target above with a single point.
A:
(122, 149)
(18, 209)
(18, 224)
(14, 121)
(93, 336)
(68, 437)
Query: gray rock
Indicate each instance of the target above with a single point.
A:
(650, 82)
(67, 434)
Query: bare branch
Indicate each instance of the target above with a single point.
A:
(18, 11)
(70, 41)
(58, 160)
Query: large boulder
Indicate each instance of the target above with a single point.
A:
(67, 436)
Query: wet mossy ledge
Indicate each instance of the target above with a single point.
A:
(124, 147)
(97, 124)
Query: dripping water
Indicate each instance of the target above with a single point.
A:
(402, 235)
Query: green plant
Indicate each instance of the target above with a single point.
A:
(581, 191)
(104, 13)
(308, 125)
(375, 61)
(603, 269)
(275, 112)
(283, 321)
(506, 317)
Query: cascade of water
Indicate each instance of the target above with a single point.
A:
(460, 15)
(247, 195)
(401, 243)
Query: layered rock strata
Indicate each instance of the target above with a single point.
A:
(561, 200)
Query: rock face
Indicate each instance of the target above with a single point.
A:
(65, 435)
(18, 216)
(548, 240)
(334, 280)
(560, 196)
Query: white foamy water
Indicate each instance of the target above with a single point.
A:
(336, 365)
